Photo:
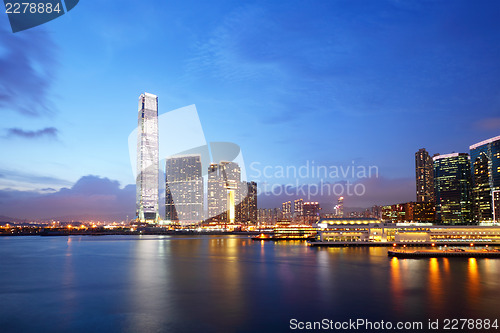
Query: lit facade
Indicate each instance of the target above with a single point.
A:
(147, 159)
(223, 191)
(485, 165)
(311, 212)
(184, 189)
(246, 210)
(298, 210)
(409, 212)
(452, 182)
(286, 210)
(424, 176)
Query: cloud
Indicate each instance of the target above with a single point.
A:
(90, 197)
(21, 177)
(488, 124)
(27, 67)
(48, 132)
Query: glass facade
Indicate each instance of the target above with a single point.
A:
(184, 189)
(485, 164)
(147, 159)
(452, 182)
(224, 191)
(424, 175)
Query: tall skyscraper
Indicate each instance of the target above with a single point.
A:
(184, 189)
(246, 210)
(424, 175)
(223, 191)
(147, 159)
(452, 182)
(485, 164)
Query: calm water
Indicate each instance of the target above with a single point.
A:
(226, 284)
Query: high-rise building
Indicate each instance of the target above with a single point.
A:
(339, 208)
(223, 191)
(184, 189)
(496, 206)
(485, 165)
(311, 212)
(452, 182)
(147, 159)
(298, 210)
(286, 209)
(424, 175)
(246, 210)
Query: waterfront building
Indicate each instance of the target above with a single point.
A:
(485, 165)
(147, 159)
(424, 176)
(452, 182)
(374, 231)
(184, 189)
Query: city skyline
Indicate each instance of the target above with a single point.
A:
(327, 92)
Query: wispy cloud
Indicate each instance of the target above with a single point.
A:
(27, 67)
(488, 124)
(48, 132)
(23, 177)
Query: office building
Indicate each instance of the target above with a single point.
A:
(424, 175)
(223, 191)
(452, 182)
(246, 210)
(147, 159)
(485, 166)
(311, 212)
(184, 189)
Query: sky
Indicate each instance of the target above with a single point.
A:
(293, 83)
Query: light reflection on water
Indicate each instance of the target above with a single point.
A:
(226, 284)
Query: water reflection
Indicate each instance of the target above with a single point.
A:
(227, 284)
(473, 283)
(435, 286)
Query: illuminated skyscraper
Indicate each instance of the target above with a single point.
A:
(485, 164)
(424, 175)
(452, 181)
(147, 159)
(223, 191)
(184, 189)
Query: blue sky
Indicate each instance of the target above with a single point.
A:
(325, 81)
